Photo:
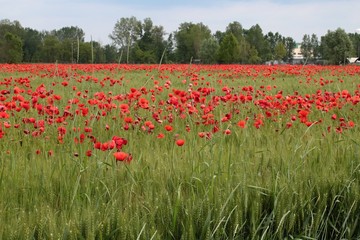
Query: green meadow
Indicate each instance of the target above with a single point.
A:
(274, 181)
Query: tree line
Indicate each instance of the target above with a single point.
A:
(136, 41)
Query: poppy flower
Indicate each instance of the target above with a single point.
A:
(160, 135)
(168, 128)
(50, 153)
(242, 123)
(180, 142)
(227, 132)
(119, 142)
(122, 156)
(88, 153)
(351, 124)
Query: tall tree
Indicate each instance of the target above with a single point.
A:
(229, 51)
(336, 46)
(355, 39)
(236, 29)
(188, 40)
(11, 43)
(11, 48)
(315, 46)
(110, 54)
(290, 44)
(254, 56)
(13, 27)
(272, 40)
(72, 33)
(280, 51)
(306, 47)
(32, 45)
(50, 51)
(208, 50)
(126, 32)
(151, 45)
(255, 37)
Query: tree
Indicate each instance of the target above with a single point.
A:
(315, 46)
(170, 55)
(219, 36)
(208, 50)
(110, 54)
(254, 56)
(306, 47)
(85, 50)
(336, 46)
(310, 47)
(13, 27)
(280, 51)
(11, 41)
(355, 39)
(272, 40)
(126, 32)
(229, 50)
(236, 29)
(32, 45)
(72, 33)
(255, 38)
(188, 40)
(50, 51)
(11, 49)
(151, 45)
(290, 44)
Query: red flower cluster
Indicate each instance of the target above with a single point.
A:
(182, 99)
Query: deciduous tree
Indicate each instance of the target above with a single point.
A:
(229, 51)
(126, 32)
(188, 40)
(208, 50)
(336, 46)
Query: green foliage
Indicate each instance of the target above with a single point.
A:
(255, 38)
(310, 47)
(270, 183)
(50, 50)
(280, 51)
(336, 46)
(32, 45)
(126, 32)
(189, 38)
(290, 44)
(229, 50)
(208, 51)
(11, 48)
(135, 41)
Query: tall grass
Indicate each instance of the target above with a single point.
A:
(267, 183)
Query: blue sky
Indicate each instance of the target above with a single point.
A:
(97, 18)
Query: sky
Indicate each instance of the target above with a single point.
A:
(291, 18)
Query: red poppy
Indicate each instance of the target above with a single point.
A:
(122, 156)
(227, 132)
(168, 128)
(351, 124)
(160, 135)
(88, 153)
(119, 142)
(242, 123)
(180, 142)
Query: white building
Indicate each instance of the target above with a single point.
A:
(298, 58)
